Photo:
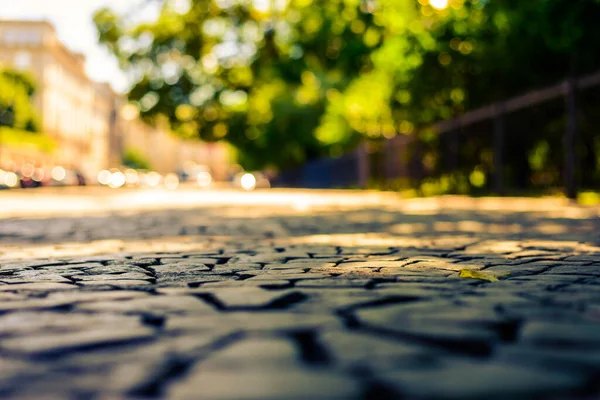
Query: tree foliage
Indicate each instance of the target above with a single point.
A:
(133, 158)
(16, 108)
(287, 81)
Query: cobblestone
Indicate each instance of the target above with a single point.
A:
(459, 380)
(337, 300)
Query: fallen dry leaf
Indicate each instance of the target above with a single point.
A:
(484, 276)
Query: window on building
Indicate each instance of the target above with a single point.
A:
(23, 37)
(23, 60)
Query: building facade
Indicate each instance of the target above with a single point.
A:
(79, 114)
(168, 153)
(83, 116)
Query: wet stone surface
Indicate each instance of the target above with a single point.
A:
(328, 305)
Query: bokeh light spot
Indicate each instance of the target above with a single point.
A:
(248, 182)
(117, 180)
(171, 181)
(104, 177)
(477, 178)
(58, 173)
(11, 179)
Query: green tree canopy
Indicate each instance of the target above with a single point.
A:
(286, 81)
(135, 159)
(16, 108)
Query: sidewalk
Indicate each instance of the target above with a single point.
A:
(297, 295)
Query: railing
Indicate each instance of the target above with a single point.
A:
(401, 158)
(344, 171)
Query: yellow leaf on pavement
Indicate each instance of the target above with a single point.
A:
(484, 276)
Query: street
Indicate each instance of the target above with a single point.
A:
(296, 294)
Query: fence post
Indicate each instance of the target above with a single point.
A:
(363, 166)
(452, 146)
(388, 157)
(569, 139)
(499, 148)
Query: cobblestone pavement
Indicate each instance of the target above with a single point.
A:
(379, 298)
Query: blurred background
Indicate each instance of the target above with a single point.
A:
(423, 96)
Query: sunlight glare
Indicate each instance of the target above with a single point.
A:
(439, 4)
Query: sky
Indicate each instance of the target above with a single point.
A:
(73, 22)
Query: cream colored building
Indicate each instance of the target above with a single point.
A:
(83, 116)
(79, 114)
(168, 153)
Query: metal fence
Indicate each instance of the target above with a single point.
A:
(401, 161)
(327, 173)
